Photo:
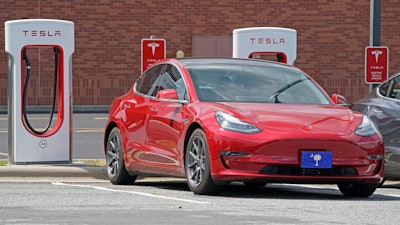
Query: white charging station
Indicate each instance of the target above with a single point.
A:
(25, 145)
(254, 42)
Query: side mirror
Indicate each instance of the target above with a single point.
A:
(168, 94)
(339, 100)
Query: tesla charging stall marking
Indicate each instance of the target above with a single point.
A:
(254, 42)
(152, 50)
(26, 144)
(376, 64)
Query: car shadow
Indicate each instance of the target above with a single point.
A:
(273, 191)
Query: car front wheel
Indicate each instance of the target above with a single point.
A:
(357, 190)
(116, 171)
(197, 165)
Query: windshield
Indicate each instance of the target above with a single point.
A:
(249, 83)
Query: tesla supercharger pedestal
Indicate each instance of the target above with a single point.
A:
(27, 145)
(256, 42)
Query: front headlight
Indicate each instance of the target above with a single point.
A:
(232, 123)
(366, 128)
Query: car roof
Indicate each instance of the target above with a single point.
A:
(242, 61)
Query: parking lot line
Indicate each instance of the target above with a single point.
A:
(131, 192)
(100, 118)
(88, 130)
(75, 130)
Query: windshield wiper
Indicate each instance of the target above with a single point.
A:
(274, 96)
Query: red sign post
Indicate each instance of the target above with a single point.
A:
(376, 64)
(153, 50)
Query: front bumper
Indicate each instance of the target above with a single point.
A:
(234, 158)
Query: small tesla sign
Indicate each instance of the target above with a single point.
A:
(153, 50)
(376, 64)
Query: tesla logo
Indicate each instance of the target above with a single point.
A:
(376, 53)
(308, 127)
(267, 41)
(41, 33)
(153, 50)
(153, 47)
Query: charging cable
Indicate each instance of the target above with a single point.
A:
(25, 90)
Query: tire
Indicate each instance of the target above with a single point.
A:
(357, 190)
(116, 171)
(197, 165)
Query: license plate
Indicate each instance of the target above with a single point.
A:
(316, 160)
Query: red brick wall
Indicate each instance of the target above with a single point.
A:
(332, 36)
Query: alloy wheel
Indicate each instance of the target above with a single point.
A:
(113, 154)
(196, 161)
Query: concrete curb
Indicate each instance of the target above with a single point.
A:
(72, 170)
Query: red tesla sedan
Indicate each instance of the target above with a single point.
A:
(214, 121)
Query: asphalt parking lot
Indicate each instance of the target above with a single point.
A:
(80, 193)
(74, 200)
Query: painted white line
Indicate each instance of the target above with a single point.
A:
(310, 186)
(315, 186)
(101, 118)
(131, 192)
(388, 195)
(378, 191)
(88, 130)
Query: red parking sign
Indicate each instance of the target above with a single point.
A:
(376, 64)
(153, 50)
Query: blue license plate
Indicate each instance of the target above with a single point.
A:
(316, 160)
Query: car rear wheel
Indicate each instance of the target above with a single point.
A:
(197, 165)
(357, 190)
(116, 171)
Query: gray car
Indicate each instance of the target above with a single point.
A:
(382, 105)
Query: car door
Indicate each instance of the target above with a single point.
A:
(383, 107)
(386, 112)
(135, 110)
(165, 125)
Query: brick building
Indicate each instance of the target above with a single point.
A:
(331, 38)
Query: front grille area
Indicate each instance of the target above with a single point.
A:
(286, 170)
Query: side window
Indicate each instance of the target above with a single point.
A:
(146, 81)
(395, 92)
(170, 78)
(383, 90)
(179, 84)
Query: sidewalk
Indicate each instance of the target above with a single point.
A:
(73, 172)
(53, 172)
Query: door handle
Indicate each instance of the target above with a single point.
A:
(376, 110)
(152, 109)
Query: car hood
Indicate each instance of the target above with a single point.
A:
(285, 117)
